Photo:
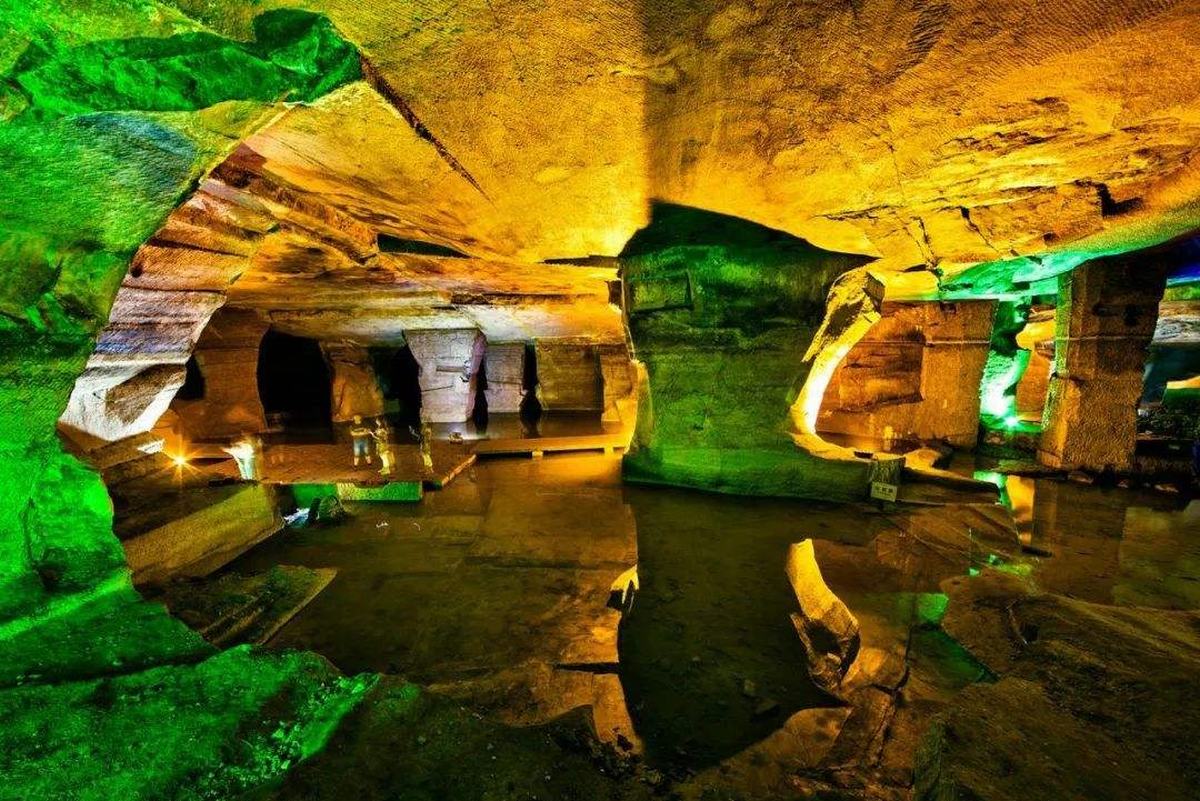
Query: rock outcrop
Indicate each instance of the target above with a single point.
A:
(825, 625)
(1092, 701)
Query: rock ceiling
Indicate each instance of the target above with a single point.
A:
(929, 134)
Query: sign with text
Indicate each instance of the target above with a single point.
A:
(883, 492)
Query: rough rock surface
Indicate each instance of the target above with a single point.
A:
(1093, 701)
(722, 313)
(826, 627)
(1105, 320)
(449, 364)
(1025, 135)
(568, 376)
(353, 385)
(504, 369)
(226, 360)
(910, 377)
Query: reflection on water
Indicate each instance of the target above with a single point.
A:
(710, 660)
(501, 584)
(1107, 545)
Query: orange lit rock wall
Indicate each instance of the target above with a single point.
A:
(914, 376)
(227, 358)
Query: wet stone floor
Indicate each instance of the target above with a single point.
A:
(499, 591)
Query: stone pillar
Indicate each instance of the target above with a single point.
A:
(227, 358)
(568, 376)
(914, 375)
(1107, 311)
(619, 382)
(449, 361)
(504, 366)
(353, 386)
(1038, 339)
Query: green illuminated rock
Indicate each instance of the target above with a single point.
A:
(1005, 365)
(113, 134)
(722, 311)
(230, 723)
(111, 112)
(295, 56)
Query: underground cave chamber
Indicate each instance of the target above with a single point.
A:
(490, 402)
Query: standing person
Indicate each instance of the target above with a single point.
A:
(383, 446)
(246, 452)
(360, 436)
(426, 443)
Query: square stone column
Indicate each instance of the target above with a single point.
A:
(568, 376)
(619, 380)
(227, 357)
(1107, 311)
(354, 386)
(449, 361)
(914, 376)
(504, 366)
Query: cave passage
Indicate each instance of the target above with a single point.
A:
(294, 382)
(399, 378)
(488, 403)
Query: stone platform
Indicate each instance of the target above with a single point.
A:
(333, 463)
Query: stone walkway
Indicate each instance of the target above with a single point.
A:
(329, 463)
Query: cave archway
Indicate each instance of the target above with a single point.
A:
(293, 382)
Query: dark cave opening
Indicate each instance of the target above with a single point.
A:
(294, 382)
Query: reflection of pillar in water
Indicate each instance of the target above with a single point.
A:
(1081, 527)
(1021, 491)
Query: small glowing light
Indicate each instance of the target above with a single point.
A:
(1012, 421)
(179, 460)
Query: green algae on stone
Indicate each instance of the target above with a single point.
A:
(296, 56)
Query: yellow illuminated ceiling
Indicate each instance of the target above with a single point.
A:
(934, 135)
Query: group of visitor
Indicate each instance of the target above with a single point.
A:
(370, 441)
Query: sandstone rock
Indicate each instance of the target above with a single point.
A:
(569, 377)
(1106, 317)
(1102, 693)
(226, 358)
(197, 541)
(449, 361)
(353, 383)
(504, 367)
(110, 403)
(914, 375)
(825, 625)
(619, 379)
